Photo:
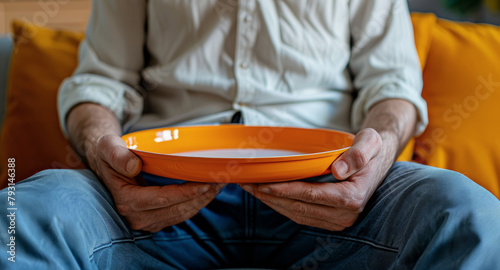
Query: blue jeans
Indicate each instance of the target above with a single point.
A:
(420, 217)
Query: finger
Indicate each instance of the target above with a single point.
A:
(185, 213)
(113, 150)
(155, 220)
(157, 197)
(345, 195)
(366, 145)
(111, 178)
(299, 209)
(329, 224)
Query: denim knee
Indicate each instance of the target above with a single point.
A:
(53, 180)
(435, 197)
(70, 197)
(451, 189)
(62, 191)
(61, 178)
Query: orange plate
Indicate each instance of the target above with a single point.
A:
(238, 153)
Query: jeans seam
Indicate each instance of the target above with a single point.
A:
(119, 241)
(245, 213)
(211, 239)
(357, 240)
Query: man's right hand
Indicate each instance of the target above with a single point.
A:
(148, 208)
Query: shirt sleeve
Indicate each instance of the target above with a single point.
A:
(384, 62)
(110, 61)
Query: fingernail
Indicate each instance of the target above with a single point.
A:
(131, 166)
(341, 167)
(247, 188)
(203, 189)
(265, 190)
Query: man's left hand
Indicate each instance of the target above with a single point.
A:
(337, 205)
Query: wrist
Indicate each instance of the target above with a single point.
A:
(391, 144)
(395, 122)
(87, 123)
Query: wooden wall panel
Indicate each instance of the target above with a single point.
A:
(3, 27)
(72, 15)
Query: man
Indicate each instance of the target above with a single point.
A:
(347, 65)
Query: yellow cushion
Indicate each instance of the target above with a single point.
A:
(41, 59)
(422, 26)
(462, 89)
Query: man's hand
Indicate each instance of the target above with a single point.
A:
(146, 208)
(331, 206)
(336, 206)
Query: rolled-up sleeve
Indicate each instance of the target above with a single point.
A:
(384, 61)
(110, 62)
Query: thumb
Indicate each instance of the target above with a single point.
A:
(366, 145)
(113, 150)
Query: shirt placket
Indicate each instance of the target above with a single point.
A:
(245, 38)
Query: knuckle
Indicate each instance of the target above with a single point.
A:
(359, 158)
(278, 191)
(342, 202)
(370, 132)
(188, 207)
(186, 191)
(378, 139)
(354, 205)
(347, 223)
(115, 154)
(311, 194)
(163, 200)
(175, 211)
(183, 210)
(374, 137)
(123, 209)
(207, 196)
(137, 224)
(299, 208)
(187, 215)
(198, 202)
(102, 142)
(301, 220)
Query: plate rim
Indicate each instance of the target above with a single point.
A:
(306, 156)
(240, 159)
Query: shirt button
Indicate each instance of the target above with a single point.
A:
(247, 18)
(244, 65)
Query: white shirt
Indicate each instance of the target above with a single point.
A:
(317, 63)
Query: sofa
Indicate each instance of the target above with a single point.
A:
(5, 52)
(461, 72)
